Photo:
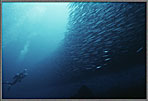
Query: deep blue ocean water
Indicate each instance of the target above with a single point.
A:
(31, 33)
(64, 46)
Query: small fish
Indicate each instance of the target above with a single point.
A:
(139, 49)
(98, 67)
(105, 56)
(106, 51)
(107, 59)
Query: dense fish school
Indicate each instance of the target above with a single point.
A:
(103, 36)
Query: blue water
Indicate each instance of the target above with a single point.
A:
(31, 33)
(66, 45)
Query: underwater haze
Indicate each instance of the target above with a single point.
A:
(31, 33)
(73, 50)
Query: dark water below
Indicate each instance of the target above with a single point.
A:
(122, 84)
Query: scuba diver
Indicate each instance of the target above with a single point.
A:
(17, 78)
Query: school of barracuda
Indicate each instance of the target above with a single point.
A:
(101, 34)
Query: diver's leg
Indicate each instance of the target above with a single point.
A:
(9, 87)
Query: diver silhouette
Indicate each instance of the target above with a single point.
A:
(17, 78)
(83, 92)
